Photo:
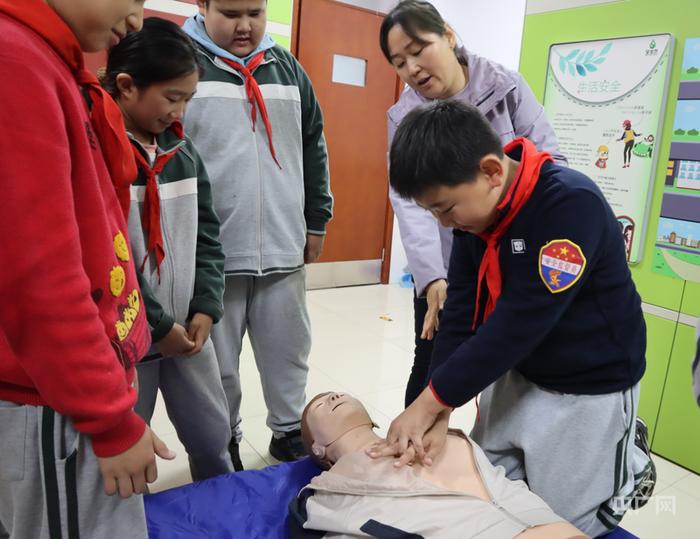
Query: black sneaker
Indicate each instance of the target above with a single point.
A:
(646, 481)
(288, 447)
(234, 451)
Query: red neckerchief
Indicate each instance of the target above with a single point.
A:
(105, 116)
(150, 218)
(518, 194)
(255, 97)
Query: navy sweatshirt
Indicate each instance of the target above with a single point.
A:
(589, 338)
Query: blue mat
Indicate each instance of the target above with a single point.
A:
(619, 533)
(244, 505)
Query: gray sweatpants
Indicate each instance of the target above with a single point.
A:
(196, 405)
(576, 452)
(50, 482)
(272, 308)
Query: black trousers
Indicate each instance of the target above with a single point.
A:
(418, 379)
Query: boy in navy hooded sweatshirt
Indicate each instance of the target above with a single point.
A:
(542, 318)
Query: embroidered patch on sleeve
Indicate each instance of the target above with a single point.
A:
(561, 264)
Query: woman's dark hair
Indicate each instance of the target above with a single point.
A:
(412, 16)
(440, 143)
(161, 51)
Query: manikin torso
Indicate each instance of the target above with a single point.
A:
(341, 433)
(456, 469)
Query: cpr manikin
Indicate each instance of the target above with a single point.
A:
(460, 495)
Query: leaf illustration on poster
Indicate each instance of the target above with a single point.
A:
(677, 248)
(605, 100)
(587, 61)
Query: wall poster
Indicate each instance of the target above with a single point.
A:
(677, 248)
(605, 100)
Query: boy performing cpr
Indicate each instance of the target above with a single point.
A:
(541, 315)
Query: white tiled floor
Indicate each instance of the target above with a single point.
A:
(356, 350)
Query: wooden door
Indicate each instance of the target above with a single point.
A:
(329, 34)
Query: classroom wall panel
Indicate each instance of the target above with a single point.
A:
(677, 436)
(660, 335)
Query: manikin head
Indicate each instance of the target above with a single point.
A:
(327, 418)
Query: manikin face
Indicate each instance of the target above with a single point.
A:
(99, 24)
(237, 26)
(430, 67)
(331, 415)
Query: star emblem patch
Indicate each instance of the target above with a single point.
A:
(561, 264)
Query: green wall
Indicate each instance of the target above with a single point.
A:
(677, 434)
(660, 336)
(666, 398)
(280, 12)
(629, 18)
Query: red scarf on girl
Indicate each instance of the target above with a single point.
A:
(255, 97)
(518, 194)
(150, 218)
(105, 116)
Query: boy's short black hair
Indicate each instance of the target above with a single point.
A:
(440, 143)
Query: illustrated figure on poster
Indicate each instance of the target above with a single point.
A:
(627, 230)
(645, 147)
(628, 136)
(602, 161)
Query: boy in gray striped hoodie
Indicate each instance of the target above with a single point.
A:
(258, 126)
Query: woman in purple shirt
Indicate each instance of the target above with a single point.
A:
(423, 50)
